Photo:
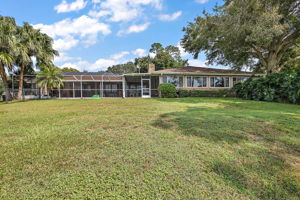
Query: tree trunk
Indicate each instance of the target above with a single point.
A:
(273, 62)
(21, 80)
(5, 84)
(46, 91)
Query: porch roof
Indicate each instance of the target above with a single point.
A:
(91, 76)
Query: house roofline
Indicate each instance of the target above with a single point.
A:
(194, 73)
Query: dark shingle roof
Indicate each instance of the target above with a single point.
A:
(191, 69)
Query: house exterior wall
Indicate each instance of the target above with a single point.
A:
(208, 81)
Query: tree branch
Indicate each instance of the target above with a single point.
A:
(259, 55)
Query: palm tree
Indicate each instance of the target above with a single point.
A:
(22, 60)
(33, 43)
(8, 29)
(49, 77)
(26, 47)
(47, 53)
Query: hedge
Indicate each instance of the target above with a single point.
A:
(276, 87)
(206, 93)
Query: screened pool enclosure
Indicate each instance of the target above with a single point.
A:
(93, 85)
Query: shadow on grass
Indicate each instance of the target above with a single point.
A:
(263, 183)
(20, 101)
(258, 167)
(233, 120)
(195, 122)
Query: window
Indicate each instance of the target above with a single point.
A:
(193, 81)
(219, 82)
(109, 86)
(239, 79)
(175, 80)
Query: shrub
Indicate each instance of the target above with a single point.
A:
(277, 87)
(1, 88)
(184, 93)
(167, 90)
(206, 93)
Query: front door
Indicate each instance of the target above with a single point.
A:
(146, 92)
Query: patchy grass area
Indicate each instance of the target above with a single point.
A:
(193, 148)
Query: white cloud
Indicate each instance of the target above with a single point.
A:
(63, 57)
(152, 55)
(68, 33)
(197, 63)
(139, 52)
(100, 64)
(103, 64)
(138, 28)
(157, 4)
(123, 10)
(202, 1)
(183, 53)
(90, 40)
(80, 65)
(65, 43)
(134, 29)
(99, 14)
(64, 6)
(81, 26)
(119, 56)
(172, 17)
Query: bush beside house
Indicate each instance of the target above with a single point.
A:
(167, 90)
(278, 87)
(206, 93)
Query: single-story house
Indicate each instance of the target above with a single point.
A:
(101, 84)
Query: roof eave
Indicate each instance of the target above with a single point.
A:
(205, 73)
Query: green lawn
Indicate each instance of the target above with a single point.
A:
(193, 148)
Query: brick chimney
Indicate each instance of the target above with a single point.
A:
(151, 68)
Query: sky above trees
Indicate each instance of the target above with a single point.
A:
(94, 34)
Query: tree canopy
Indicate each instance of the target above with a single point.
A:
(128, 67)
(18, 45)
(69, 69)
(8, 29)
(255, 33)
(163, 58)
(166, 57)
(49, 78)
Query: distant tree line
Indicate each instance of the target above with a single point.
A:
(68, 69)
(163, 58)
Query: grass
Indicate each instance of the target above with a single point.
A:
(192, 148)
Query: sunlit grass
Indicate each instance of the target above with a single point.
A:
(192, 148)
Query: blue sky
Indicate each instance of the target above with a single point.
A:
(94, 34)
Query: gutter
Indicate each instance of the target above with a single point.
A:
(192, 73)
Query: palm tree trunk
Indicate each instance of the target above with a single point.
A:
(5, 84)
(21, 80)
(46, 91)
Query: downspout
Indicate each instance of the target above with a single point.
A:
(124, 86)
(81, 86)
